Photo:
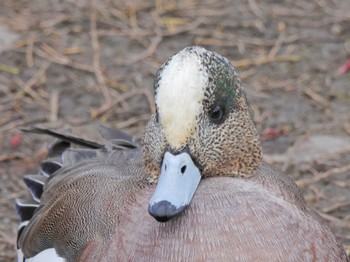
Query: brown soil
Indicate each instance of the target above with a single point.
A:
(80, 63)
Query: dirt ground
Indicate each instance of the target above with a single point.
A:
(81, 63)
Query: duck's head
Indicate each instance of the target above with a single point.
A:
(202, 127)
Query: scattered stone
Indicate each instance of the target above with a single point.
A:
(7, 38)
(309, 149)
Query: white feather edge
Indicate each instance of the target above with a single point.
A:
(48, 255)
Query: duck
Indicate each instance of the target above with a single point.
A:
(193, 188)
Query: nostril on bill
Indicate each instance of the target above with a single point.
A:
(183, 169)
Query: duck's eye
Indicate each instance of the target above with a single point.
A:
(216, 114)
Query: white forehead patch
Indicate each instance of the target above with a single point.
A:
(179, 96)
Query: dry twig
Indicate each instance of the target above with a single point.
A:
(96, 54)
(62, 60)
(148, 52)
(132, 120)
(277, 45)
(54, 106)
(318, 99)
(335, 207)
(323, 176)
(29, 51)
(95, 113)
(264, 60)
(28, 86)
(12, 156)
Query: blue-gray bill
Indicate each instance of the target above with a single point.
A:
(176, 186)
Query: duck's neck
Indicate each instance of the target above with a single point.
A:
(244, 164)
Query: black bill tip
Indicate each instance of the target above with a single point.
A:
(164, 211)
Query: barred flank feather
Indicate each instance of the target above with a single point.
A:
(61, 154)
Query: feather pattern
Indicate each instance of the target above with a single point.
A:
(60, 155)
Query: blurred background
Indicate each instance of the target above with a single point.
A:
(68, 63)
